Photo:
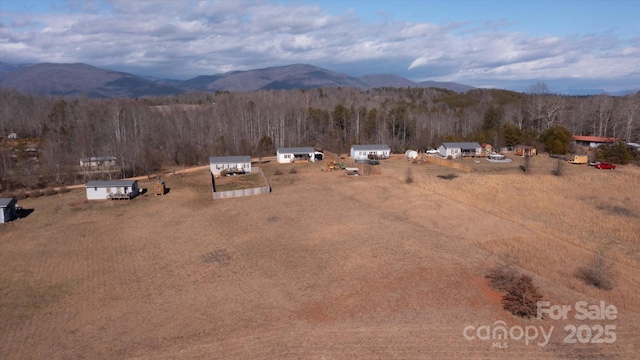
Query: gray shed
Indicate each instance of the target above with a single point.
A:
(8, 210)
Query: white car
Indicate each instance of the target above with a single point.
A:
(432, 151)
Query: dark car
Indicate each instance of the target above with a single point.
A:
(605, 166)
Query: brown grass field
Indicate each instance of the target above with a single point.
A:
(327, 266)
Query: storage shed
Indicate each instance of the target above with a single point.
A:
(286, 155)
(112, 189)
(459, 149)
(525, 150)
(364, 152)
(230, 164)
(410, 154)
(7, 210)
(159, 188)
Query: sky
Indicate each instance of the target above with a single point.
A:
(509, 44)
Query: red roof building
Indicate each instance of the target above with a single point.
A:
(593, 141)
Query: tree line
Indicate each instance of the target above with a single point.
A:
(148, 133)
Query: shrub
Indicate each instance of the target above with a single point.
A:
(36, 193)
(63, 190)
(504, 275)
(293, 170)
(277, 172)
(556, 139)
(617, 153)
(522, 298)
(409, 178)
(598, 272)
(559, 168)
(50, 191)
(448, 176)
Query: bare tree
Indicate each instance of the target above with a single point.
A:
(598, 271)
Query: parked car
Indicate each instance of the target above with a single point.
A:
(432, 151)
(605, 166)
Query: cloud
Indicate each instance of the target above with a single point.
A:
(183, 39)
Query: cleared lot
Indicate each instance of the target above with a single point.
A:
(326, 266)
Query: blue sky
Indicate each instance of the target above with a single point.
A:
(501, 43)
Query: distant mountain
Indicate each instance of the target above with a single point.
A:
(302, 76)
(298, 76)
(377, 81)
(7, 68)
(446, 85)
(81, 80)
(90, 81)
(588, 92)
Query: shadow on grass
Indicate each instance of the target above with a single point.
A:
(448, 176)
(23, 213)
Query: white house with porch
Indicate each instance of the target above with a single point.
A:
(286, 155)
(230, 164)
(112, 189)
(459, 149)
(363, 152)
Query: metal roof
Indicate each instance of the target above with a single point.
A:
(462, 145)
(594, 139)
(296, 150)
(229, 159)
(370, 147)
(110, 183)
(4, 202)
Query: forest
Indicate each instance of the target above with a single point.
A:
(44, 138)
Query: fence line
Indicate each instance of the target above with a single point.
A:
(245, 192)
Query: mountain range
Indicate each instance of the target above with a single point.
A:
(86, 80)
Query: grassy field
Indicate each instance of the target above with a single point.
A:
(327, 266)
(226, 183)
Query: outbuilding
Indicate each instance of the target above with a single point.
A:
(459, 149)
(112, 189)
(230, 164)
(286, 155)
(364, 152)
(525, 150)
(98, 161)
(8, 210)
(410, 154)
(593, 141)
(160, 187)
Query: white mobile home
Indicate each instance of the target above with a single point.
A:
(230, 164)
(288, 155)
(459, 149)
(364, 152)
(98, 161)
(7, 210)
(112, 189)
